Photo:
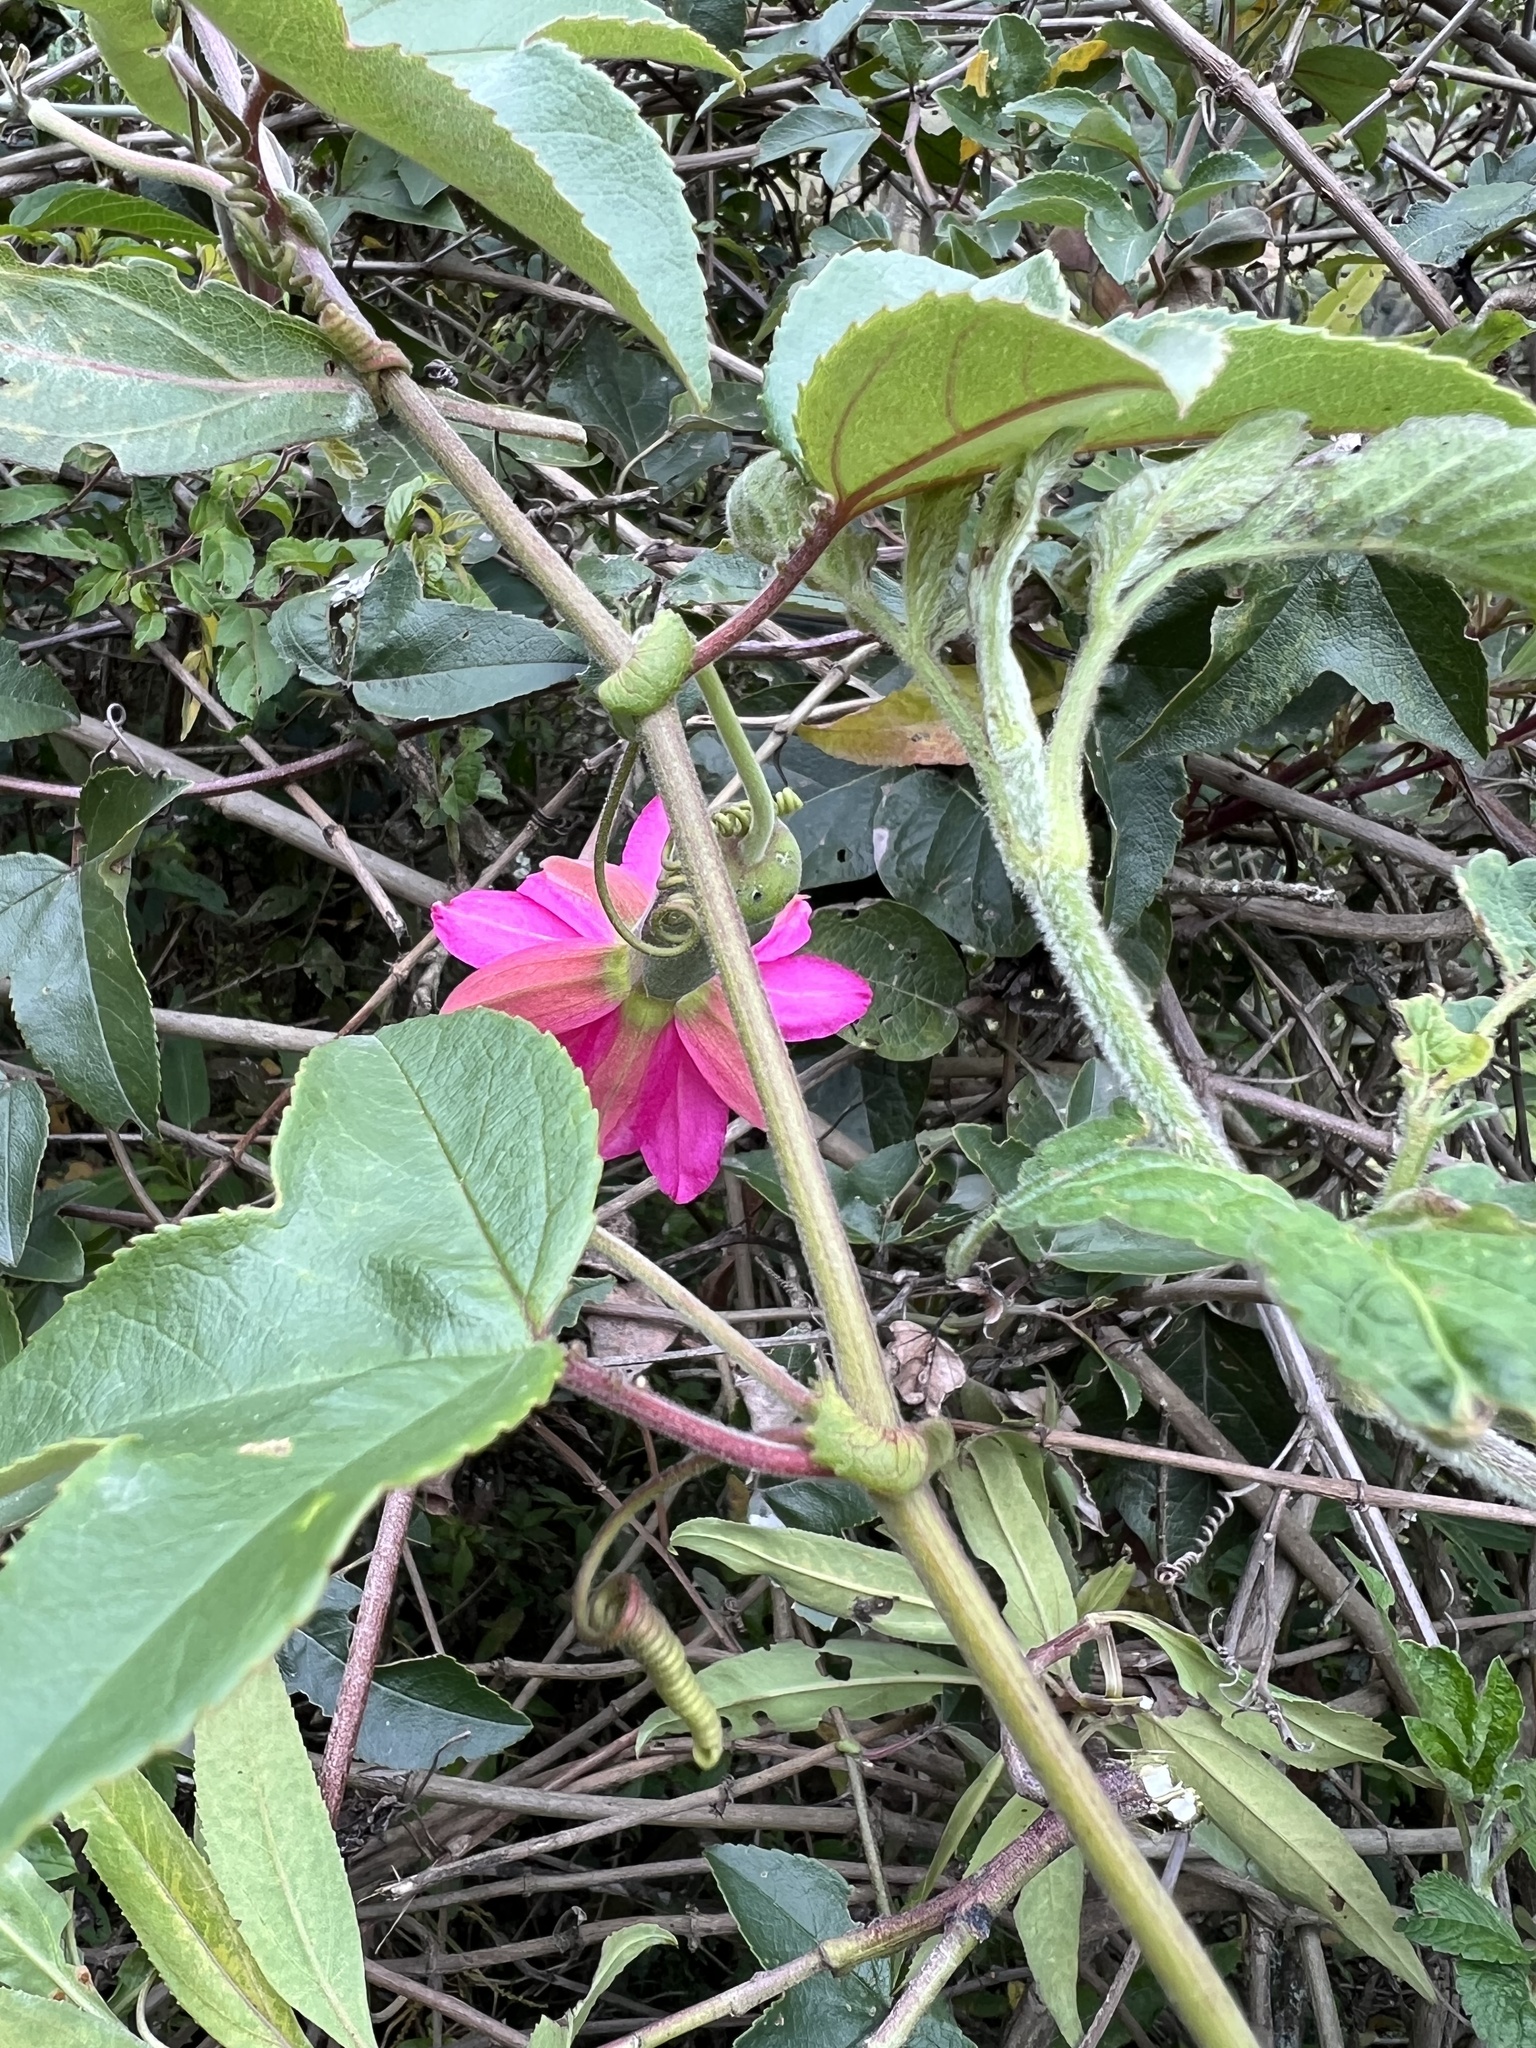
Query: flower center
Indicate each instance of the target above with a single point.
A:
(671, 976)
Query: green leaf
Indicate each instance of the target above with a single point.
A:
(1053, 198)
(1048, 1914)
(1498, 2003)
(1502, 899)
(505, 111)
(1397, 637)
(618, 1952)
(1435, 1049)
(1458, 1921)
(1004, 1525)
(32, 701)
(251, 669)
(935, 852)
(784, 1905)
(891, 373)
(1442, 231)
(122, 356)
(166, 1889)
(1454, 497)
(435, 1187)
(877, 1587)
(1302, 1853)
(1426, 1315)
(52, 1250)
(23, 1136)
(372, 180)
(835, 827)
(1325, 1736)
(272, 1850)
(74, 203)
(957, 1826)
(422, 1711)
(826, 1506)
(130, 40)
(786, 1685)
(915, 973)
(34, 1924)
(1344, 79)
(403, 655)
(28, 2022)
(834, 123)
(76, 990)
(1217, 173)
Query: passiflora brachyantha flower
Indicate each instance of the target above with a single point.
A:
(650, 1032)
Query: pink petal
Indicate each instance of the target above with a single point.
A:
(566, 889)
(811, 997)
(681, 1121)
(484, 925)
(642, 849)
(788, 933)
(617, 1065)
(704, 1023)
(558, 986)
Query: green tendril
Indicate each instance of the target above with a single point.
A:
(754, 782)
(620, 1615)
(605, 824)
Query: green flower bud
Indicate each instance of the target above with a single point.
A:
(768, 509)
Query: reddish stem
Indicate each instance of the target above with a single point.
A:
(715, 646)
(784, 1459)
(363, 1650)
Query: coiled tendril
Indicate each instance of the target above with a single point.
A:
(673, 916)
(620, 1615)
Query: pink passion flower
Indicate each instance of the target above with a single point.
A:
(665, 1073)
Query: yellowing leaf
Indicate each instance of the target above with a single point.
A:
(1340, 310)
(1080, 57)
(903, 730)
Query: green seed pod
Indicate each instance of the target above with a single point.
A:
(768, 509)
(763, 889)
(653, 675)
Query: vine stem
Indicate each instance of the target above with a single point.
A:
(750, 1452)
(916, 1520)
(804, 555)
(363, 1650)
(607, 1245)
(976, 1898)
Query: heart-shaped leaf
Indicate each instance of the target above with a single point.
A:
(229, 1396)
